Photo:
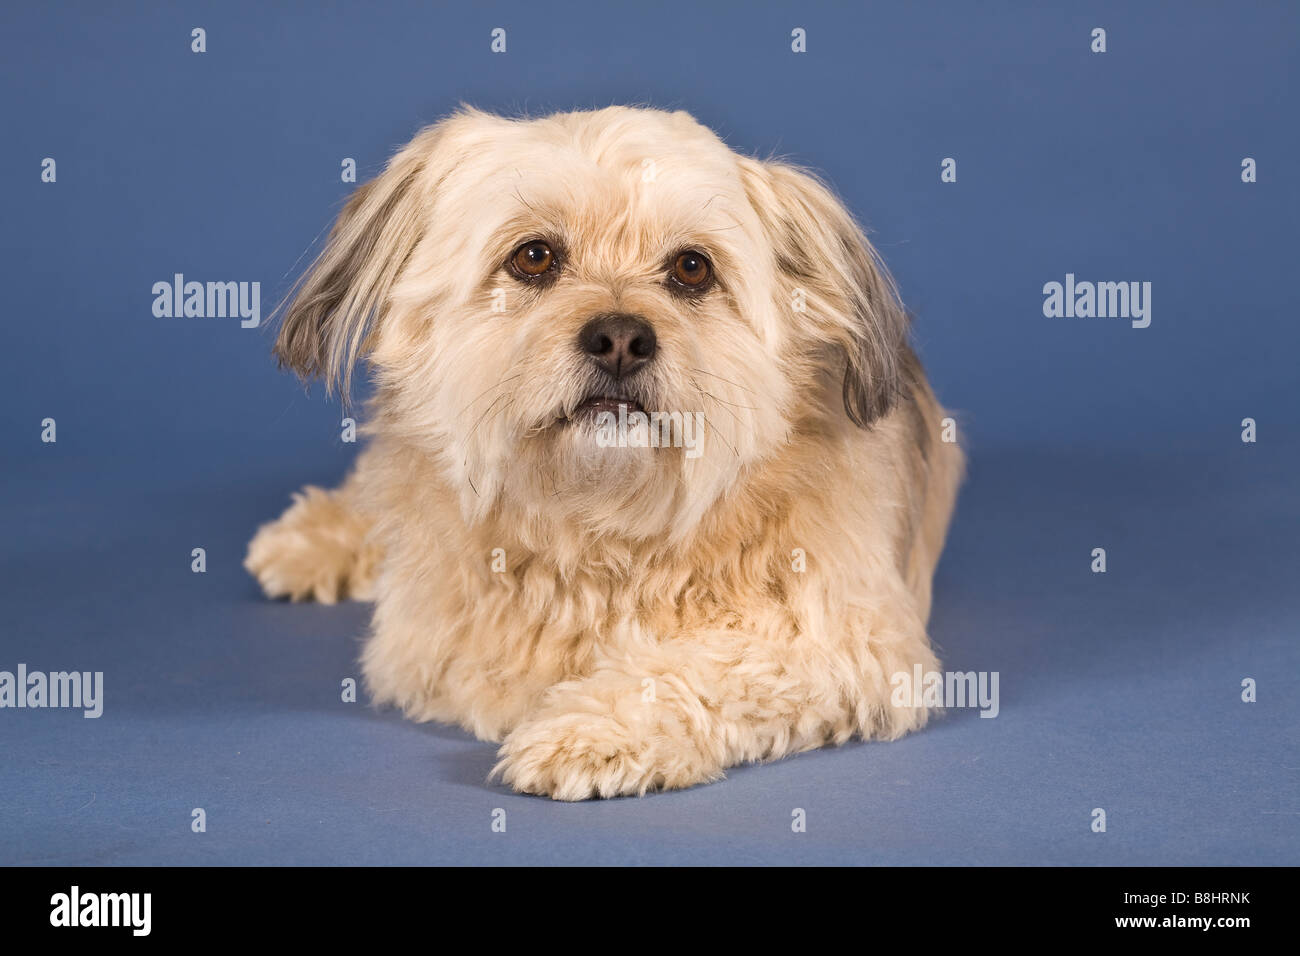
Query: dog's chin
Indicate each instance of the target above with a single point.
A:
(584, 453)
(595, 464)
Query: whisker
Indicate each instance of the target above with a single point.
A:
(474, 428)
(721, 379)
(724, 408)
(725, 402)
(724, 441)
(728, 411)
(520, 197)
(509, 378)
(508, 406)
(703, 393)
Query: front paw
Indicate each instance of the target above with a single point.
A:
(578, 756)
(316, 551)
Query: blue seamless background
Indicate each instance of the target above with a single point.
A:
(1118, 690)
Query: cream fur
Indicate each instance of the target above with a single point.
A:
(652, 625)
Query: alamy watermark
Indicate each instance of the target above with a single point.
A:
(949, 689)
(651, 430)
(1102, 300)
(129, 910)
(35, 689)
(208, 300)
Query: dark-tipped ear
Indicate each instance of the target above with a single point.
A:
(336, 304)
(846, 291)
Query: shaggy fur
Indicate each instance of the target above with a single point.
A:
(620, 619)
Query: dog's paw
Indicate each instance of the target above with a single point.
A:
(573, 757)
(578, 756)
(314, 551)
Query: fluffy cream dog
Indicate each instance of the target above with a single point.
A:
(621, 615)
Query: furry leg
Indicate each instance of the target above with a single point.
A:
(680, 713)
(317, 549)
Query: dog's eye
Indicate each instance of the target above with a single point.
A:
(692, 270)
(532, 259)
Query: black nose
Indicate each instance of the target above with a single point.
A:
(619, 343)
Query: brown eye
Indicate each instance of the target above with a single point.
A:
(532, 259)
(692, 270)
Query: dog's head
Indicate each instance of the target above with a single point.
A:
(607, 313)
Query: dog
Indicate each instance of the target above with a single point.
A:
(534, 299)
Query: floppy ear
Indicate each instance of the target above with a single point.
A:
(847, 291)
(336, 304)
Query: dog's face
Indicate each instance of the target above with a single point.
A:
(606, 315)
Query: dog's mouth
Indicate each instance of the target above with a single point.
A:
(591, 407)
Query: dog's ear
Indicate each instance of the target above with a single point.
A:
(844, 288)
(335, 306)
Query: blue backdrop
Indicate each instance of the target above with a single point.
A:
(1120, 691)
